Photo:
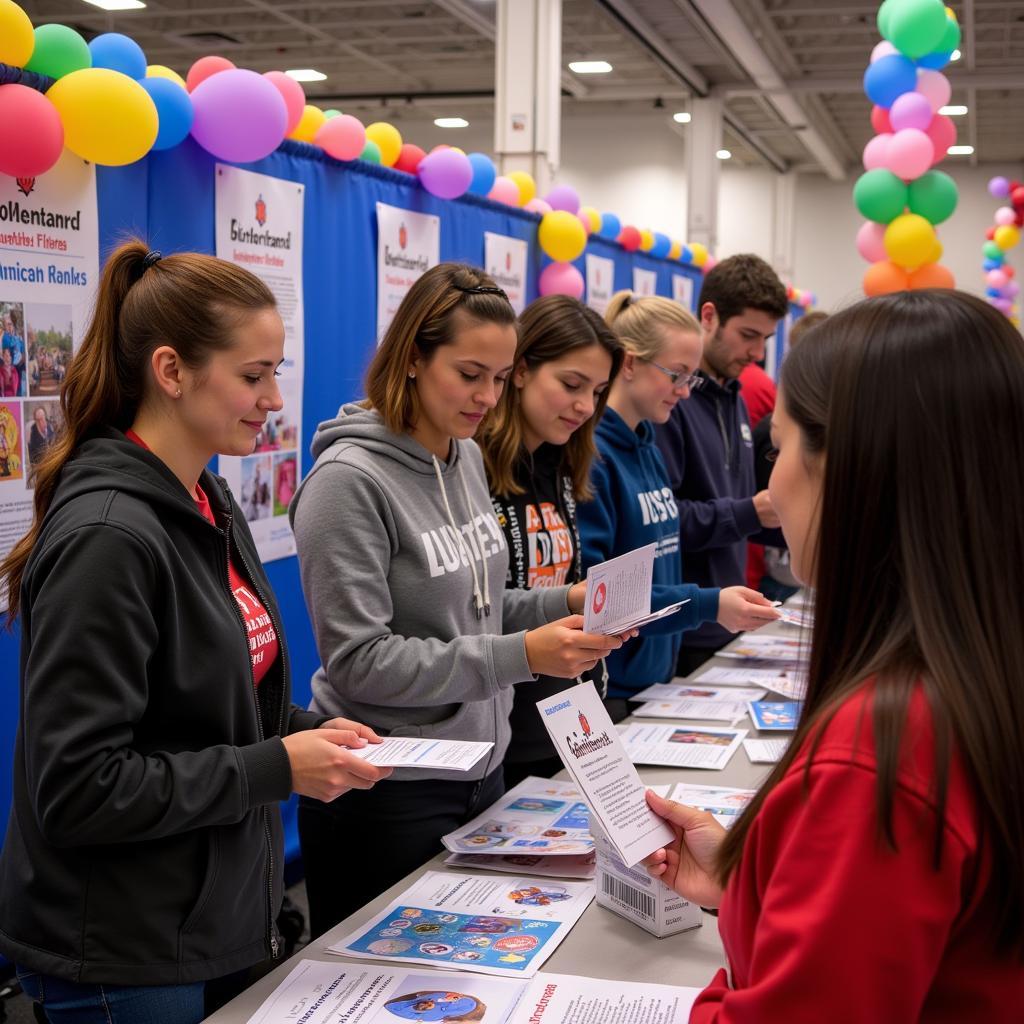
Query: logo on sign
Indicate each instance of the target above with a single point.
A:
(584, 725)
(25, 185)
(508, 261)
(600, 596)
(403, 236)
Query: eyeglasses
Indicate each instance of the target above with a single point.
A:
(693, 381)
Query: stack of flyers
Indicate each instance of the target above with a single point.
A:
(679, 747)
(572, 866)
(706, 709)
(724, 802)
(767, 648)
(694, 691)
(765, 751)
(780, 680)
(537, 817)
(769, 716)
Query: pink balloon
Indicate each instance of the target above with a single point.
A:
(538, 205)
(445, 173)
(239, 115)
(504, 190)
(911, 153)
(293, 95)
(883, 49)
(564, 197)
(1011, 288)
(1005, 215)
(911, 110)
(342, 137)
(31, 119)
(942, 132)
(204, 68)
(996, 279)
(561, 279)
(876, 152)
(708, 264)
(871, 241)
(935, 87)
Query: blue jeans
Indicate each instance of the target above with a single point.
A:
(71, 1002)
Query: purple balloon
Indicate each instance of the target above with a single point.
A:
(564, 197)
(911, 110)
(999, 188)
(445, 173)
(239, 115)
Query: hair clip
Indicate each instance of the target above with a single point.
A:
(482, 289)
(150, 258)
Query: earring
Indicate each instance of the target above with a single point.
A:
(412, 375)
(177, 394)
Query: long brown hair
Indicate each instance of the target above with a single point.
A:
(189, 301)
(915, 400)
(426, 320)
(549, 328)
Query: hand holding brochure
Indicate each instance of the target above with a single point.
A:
(409, 752)
(619, 594)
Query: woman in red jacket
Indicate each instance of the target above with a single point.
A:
(878, 875)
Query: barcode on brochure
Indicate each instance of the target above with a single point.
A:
(641, 902)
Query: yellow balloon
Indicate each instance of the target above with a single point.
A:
(457, 150)
(309, 124)
(646, 240)
(676, 251)
(526, 185)
(1006, 236)
(561, 235)
(108, 117)
(700, 254)
(388, 140)
(17, 40)
(162, 71)
(910, 241)
(591, 216)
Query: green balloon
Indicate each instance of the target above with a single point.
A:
(332, 113)
(950, 38)
(933, 196)
(883, 17)
(880, 195)
(371, 152)
(59, 51)
(992, 251)
(917, 27)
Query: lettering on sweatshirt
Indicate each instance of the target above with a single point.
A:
(657, 506)
(448, 551)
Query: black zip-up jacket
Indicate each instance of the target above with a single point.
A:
(144, 845)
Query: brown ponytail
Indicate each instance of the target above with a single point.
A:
(190, 301)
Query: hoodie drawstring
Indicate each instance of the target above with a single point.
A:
(474, 516)
(482, 607)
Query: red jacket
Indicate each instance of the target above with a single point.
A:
(757, 390)
(822, 922)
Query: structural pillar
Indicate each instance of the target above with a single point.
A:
(703, 141)
(784, 225)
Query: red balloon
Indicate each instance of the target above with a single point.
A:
(1017, 196)
(1008, 270)
(409, 158)
(629, 238)
(942, 132)
(990, 234)
(880, 120)
(31, 119)
(203, 68)
(1018, 218)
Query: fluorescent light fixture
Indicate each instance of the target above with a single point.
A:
(953, 110)
(117, 5)
(723, 154)
(451, 122)
(960, 151)
(955, 55)
(590, 67)
(306, 75)
(681, 118)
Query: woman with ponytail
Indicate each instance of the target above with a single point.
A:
(143, 856)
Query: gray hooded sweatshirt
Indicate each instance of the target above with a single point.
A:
(403, 567)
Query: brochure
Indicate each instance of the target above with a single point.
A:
(539, 816)
(407, 752)
(573, 866)
(681, 746)
(799, 617)
(765, 751)
(724, 802)
(699, 709)
(505, 926)
(769, 678)
(768, 648)
(775, 716)
(592, 752)
(694, 691)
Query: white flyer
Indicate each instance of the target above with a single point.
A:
(765, 751)
(645, 282)
(600, 282)
(767, 648)
(681, 746)
(539, 816)
(682, 291)
(619, 594)
(490, 925)
(592, 752)
(700, 710)
(567, 999)
(579, 865)
(743, 677)
(410, 752)
(408, 245)
(725, 803)
(692, 691)
(505, 261)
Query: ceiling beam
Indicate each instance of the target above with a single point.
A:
(823, 84)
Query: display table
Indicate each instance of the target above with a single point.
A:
(602, 945)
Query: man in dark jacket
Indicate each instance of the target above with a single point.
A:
(707, 443)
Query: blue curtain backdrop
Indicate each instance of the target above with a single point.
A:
(168, 200)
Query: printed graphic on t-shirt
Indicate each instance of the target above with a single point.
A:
(258, 627)
(448, 551)
(550, 544)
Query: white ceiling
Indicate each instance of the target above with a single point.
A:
(789, 70)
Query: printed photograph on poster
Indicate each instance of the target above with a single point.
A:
(281, 429)
(255, 496)
(682, 291)
(42, 423)
(600, 282)
(505, 261)
(12, 456)
(645, 282)
(50, 344)
(13, 379)
(286, 480)
(408, 245)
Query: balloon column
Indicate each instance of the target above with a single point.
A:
(900, 193)
(1002, 288)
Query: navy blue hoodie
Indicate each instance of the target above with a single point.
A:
(633, 506)
(709, 453)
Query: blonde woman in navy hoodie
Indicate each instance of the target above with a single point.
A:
(633, 503)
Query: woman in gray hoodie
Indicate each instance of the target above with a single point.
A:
(403, 567)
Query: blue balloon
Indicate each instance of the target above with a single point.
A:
(990, 265)
(118, 53)
(173, 108)
(484, 173)
(935, 61)
(686, 256)
(994, 293)
(610, 226)
(889, 78)
(662, 245)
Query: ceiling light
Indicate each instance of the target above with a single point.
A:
(117, 5)
(955, 55)
(306, 75)
(681, 118)
(451, 122)
(953, 110)
(723, 154)
(590, 67)
(960, 150)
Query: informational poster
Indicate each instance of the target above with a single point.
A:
(645, 282)
(682, 291)
(49, 269)
(505, 261)
(600, 282)
(408, 245)
(259, 227)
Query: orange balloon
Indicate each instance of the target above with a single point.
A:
(932, 275)
(884, 277)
